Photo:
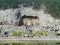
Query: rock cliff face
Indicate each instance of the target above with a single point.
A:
(12, 16)
(7, 16)
(44, 18)
(10, 19)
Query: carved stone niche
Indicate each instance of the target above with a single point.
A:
(29, 20)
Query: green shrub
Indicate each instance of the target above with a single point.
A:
(28, 33)
(17, 34)
(37, 33)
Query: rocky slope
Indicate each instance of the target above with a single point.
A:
(10, 16)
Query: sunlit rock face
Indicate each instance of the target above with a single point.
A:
(12, 16)
(10, 19)
(8, 16)
(57, 21)
(44, 19)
